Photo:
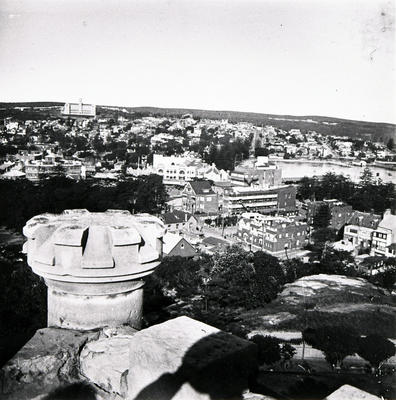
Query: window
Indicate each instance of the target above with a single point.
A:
(182, 246)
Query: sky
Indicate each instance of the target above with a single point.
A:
(299, 57)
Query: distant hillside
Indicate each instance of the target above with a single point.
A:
(326, 125)
(31, 104)
(30, 110)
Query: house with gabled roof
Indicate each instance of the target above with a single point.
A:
(176, 245)
(384, 237)
(177, 220)
(199, 197)
(359, 229)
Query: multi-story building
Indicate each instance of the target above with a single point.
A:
(340, 212)
(257, 173)
(199, 197)
(360, 228)
(384, 237)
(181, 169)
(79, 110)
(38, 169)
(271, 234)
(176, 169)
(234, 200)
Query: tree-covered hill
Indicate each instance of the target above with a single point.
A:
(326, 125)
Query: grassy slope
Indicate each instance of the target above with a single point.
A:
(364, 307)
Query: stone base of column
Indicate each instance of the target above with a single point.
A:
(184, 359)
(90, 306)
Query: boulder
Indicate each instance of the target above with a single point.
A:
(186, 359)
(351, 393)
(50, 359)
(105, 362)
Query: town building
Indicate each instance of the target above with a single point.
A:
(271, 234)
(177, 220)
(234, 200)
(340, 212)
(79, 110)
(212, 173)
(176, 245)
(177, 170)
(384, 237)
(181, 169)
(359, 230)
(38, 169)
(257, 172)
(199, 197)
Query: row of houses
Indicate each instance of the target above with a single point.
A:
(367, 232)
(340, 212)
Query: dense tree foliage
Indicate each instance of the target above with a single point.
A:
(296, 269)
(338, 262)
(376, 349)
(22, 199)
(320, 237)
(322, 217)
(213, 288)
(237, 277)
(336, 342)
(23, 301)
(385, 277)
(224, 153)
(269, 351)
(366, 195)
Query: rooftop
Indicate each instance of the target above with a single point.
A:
(201, 187)
(175, 217)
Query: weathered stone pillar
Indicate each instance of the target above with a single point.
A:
(92, 264)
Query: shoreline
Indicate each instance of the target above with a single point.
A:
(346, 164)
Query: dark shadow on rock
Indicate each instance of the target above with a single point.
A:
(219, 365)
(74, 391)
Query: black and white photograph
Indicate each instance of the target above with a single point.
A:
(197, 200)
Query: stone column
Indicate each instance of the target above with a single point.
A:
(93, 264)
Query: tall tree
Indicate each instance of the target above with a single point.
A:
(322, 217)
(376, 349)
(366, 178)
(269, 351)
(336, 342)
(391, 144)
